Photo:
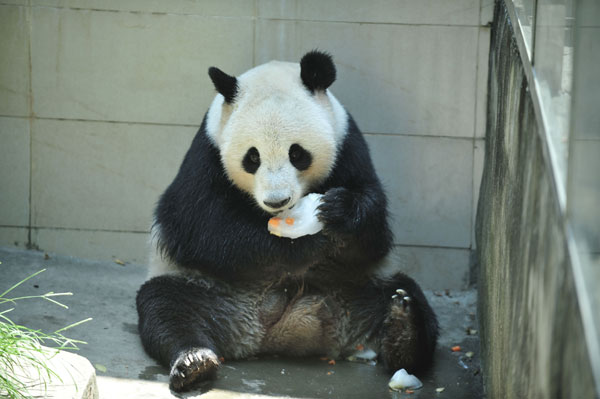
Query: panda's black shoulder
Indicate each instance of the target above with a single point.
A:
(200, 186)
(353, 165)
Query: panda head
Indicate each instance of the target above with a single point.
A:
(277, 127)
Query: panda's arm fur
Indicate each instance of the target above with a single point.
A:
(204, 222)
(354, 210)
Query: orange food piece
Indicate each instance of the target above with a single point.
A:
(329, 372)
(456, 348)
(274, 222)
(289, 221)
(332, 362)
(410, 391)
(323, 358)
(360, 347)
(222, 359)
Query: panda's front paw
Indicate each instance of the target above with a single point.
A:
(337, 212)
(191, 367)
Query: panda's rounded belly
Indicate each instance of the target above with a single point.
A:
(298, 321)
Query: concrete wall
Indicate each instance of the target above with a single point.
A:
(532, 337)
(100, 99)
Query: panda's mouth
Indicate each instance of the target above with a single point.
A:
(282, 210)
(277, 212)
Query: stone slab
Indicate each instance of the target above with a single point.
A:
(71, 376)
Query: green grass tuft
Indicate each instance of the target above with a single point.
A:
(21, 347)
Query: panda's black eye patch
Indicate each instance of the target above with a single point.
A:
(251, 161)
(299, 157)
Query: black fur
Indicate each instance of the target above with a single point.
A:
(317, 71)
(225, 84)
(254, 287)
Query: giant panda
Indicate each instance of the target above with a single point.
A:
(220, 286)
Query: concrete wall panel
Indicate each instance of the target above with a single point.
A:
(14, 171)
(222, 8)
(411, 79)
(414, 12)
(102, 245)
(105, 176)
(14, 67)
(428, 182)
(132, 67)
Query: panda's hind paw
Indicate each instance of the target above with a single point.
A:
(401, 300)
(191, 367)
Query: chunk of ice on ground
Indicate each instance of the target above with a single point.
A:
(364, 355)
(401, 380)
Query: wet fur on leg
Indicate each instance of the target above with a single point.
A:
(410, 328)
(186, 324)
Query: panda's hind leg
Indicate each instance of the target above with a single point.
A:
(410, 328)
(188, 324)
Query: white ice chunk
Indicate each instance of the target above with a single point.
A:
(364, 355)
(299, 221)
(401, 380)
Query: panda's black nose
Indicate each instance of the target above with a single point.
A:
(277, 204)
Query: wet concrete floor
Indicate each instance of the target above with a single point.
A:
(106, 291)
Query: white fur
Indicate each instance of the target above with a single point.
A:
(158, 264)
(273, 110)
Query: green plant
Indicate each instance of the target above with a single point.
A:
(21, 347)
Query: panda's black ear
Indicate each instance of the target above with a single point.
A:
(225, 84)
(317, 70)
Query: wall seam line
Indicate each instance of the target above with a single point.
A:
(55, 228)
(396, 245)
(30, 243)
(254, 33)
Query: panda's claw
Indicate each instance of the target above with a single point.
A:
(401, 292)
(191, 367)
(192, 361)
(406, 302)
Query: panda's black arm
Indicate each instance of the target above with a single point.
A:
(206, 223)
(244, 246)
(354, 209)
(357, 220)
(226, 235)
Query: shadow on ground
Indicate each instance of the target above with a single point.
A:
(106, 291)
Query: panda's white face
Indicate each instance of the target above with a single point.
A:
(277, 139)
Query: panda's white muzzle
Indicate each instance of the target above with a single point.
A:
(277, 190)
